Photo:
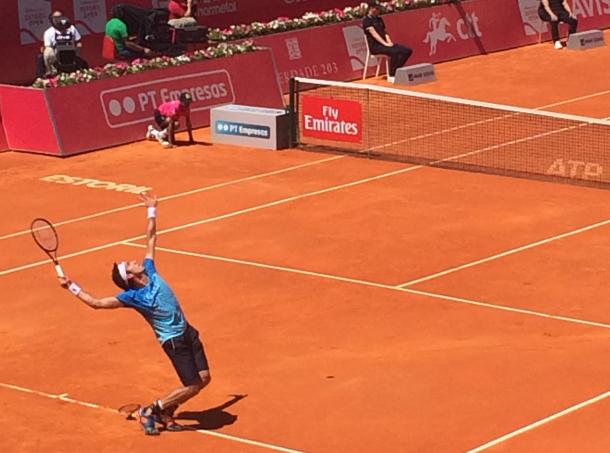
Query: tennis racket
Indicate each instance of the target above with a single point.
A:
(129, 411)
(46, 238)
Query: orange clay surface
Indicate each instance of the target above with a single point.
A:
(347, 305)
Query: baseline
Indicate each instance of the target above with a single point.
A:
(65, 398)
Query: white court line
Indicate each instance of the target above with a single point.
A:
(184, 194)
(217, 218)
(577, 99)
(64, 397)
(380, 285)
(541, 422)
(422, 293)
(505, 253)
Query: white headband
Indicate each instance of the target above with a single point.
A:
(123, 271)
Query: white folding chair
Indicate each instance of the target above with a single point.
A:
(378, 57)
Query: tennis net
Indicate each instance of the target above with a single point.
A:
(448, 132)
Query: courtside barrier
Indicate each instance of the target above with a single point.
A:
(3, 143)
(104, 113)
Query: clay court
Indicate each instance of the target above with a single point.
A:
(346, 304)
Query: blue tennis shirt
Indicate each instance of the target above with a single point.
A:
(158, 304)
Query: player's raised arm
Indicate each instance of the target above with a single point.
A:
(150, 201)
(93, 302)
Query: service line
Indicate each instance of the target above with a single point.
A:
(443, 297)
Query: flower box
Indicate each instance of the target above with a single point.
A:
(103, 113)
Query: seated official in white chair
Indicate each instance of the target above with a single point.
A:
(62, 43)
(555, 11)
(380, 43)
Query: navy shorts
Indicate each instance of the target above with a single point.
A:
(187, 355)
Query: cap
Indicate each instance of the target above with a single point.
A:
(186, 97)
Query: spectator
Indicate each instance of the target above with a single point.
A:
(555, 11)
(60, 44)
(181, 13)
(125, 42)
(379, 40)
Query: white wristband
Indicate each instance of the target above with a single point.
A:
(74, 288)
(152, 212)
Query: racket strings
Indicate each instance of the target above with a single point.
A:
(45, 235)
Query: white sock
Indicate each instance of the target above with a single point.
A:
(155, 133)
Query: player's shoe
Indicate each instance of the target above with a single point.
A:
(165, 417)
(150, 132)
(165, 144)
(168, 422)
(558, 45)
(147, 420)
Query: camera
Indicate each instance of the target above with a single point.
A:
(61, 23)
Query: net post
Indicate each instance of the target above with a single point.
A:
(292, 114)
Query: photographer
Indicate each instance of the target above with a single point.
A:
(125, 29)
(61, 43)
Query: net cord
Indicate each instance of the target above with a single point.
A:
(467, 102)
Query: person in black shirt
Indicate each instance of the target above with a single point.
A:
(380, 42)
(555, 11)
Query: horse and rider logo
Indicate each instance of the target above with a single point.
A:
(438, 32)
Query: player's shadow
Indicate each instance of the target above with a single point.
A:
(195, 142)
(213, 418)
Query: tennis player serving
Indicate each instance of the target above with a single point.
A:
(145, 291)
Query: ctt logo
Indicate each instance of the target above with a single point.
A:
(466, 28)
(133, 104)
(331, 119)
